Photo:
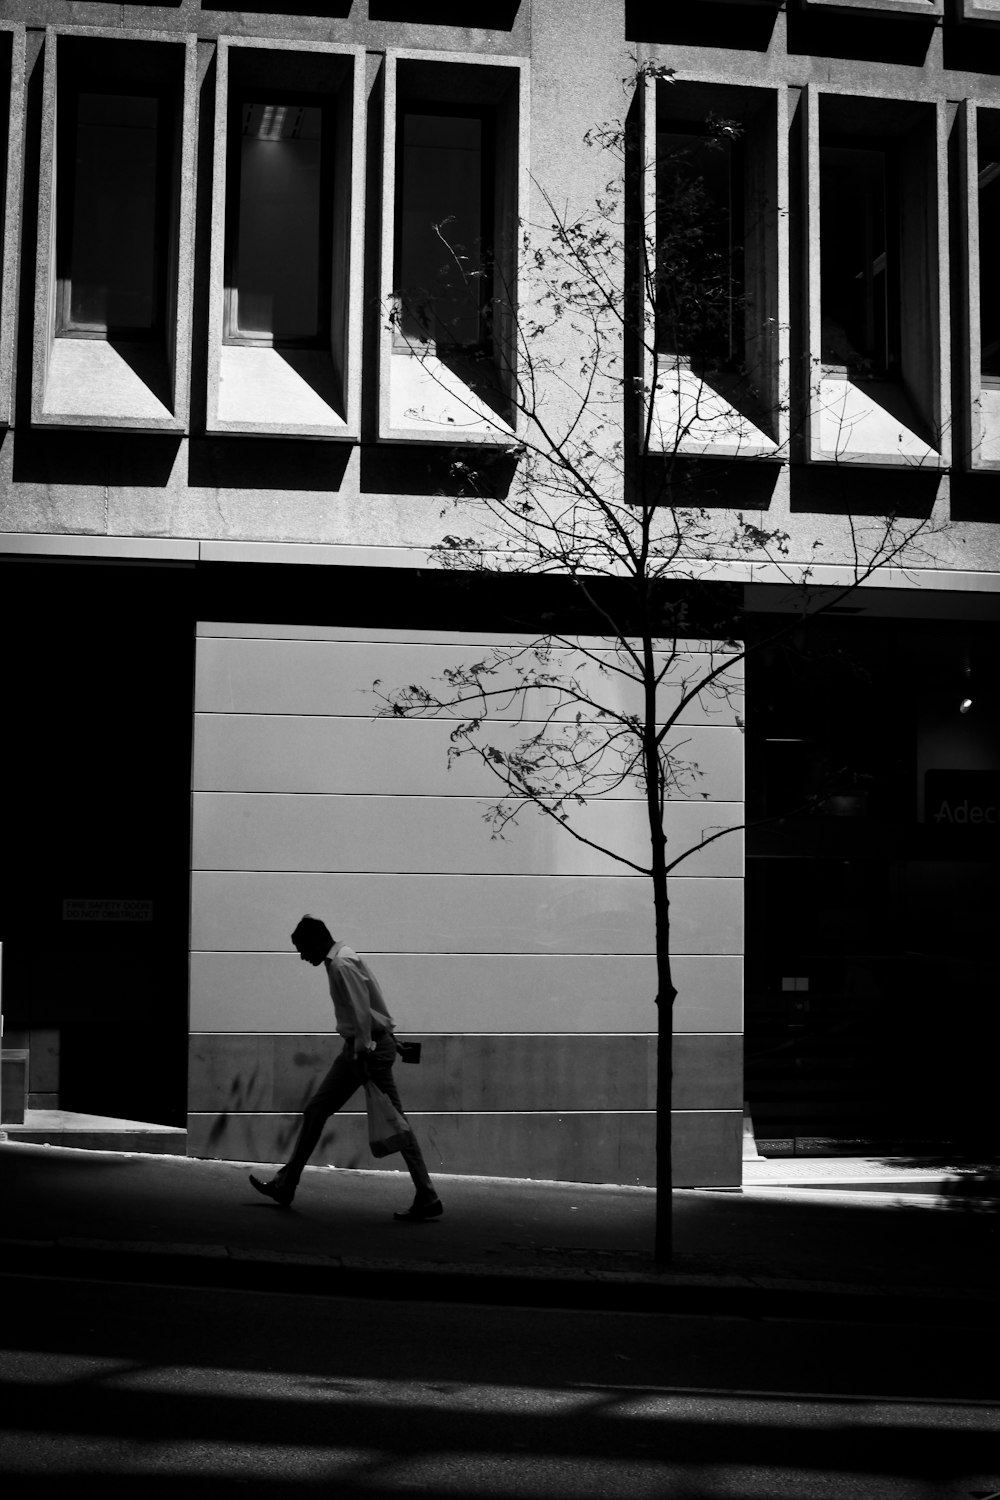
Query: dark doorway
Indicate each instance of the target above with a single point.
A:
(97, 754)
(871, 977)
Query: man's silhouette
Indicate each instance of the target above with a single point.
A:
(369, 1052)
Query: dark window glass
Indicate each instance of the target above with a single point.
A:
(276, 258)
(858, 272)
(442, 228)
(989, 260)
(699, 260)
(111, 281)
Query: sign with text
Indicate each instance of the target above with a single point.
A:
(962, 799)
(106, 909)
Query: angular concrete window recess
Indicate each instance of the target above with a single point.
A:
(973, 11)
(284, 331)
(932, 9)
(454, 173)
(715, 345)
(877, 233)
(11, 114)
(115, 225)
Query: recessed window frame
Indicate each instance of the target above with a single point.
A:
(12, 57)
(452, 394)
(689, 135)
(232, 334)
(978, 395)
(296, 387)
(877, 334)
(131, 380)
(404, 339)
(903, 420)
(680, 409)
(109, 84)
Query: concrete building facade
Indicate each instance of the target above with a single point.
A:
(223, 476)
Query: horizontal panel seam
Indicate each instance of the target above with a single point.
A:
(489, 1035)
(416, 1114)
(389, 718)
(435, 874)
(222, 791)
(374, 953)
(432, 796)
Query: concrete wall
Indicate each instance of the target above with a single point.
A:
(524, 964)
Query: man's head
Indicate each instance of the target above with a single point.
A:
(313, 939)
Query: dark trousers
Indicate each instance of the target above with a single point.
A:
(343, 1080)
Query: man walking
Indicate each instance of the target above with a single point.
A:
(369, 1052)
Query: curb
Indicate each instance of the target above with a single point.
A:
(666, 1294)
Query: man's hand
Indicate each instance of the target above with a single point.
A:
(362, 1061)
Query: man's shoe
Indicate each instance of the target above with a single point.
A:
(422, 1208)
(276, 1191)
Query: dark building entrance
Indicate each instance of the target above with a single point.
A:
(873, 773)
(98, 693)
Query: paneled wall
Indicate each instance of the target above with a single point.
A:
(524, 963)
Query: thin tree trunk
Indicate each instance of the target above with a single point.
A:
(665, 992)
(664, 1238)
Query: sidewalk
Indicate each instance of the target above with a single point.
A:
(884, 1240)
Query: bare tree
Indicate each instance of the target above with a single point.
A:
(626, 312)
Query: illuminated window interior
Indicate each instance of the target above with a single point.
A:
(277, 226)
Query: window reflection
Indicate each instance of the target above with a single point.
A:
(699, 262)
(440, 258)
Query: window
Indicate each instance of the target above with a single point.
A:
(284, 325)
(715, 350)
(988, 195)
(111, 213)
(279, 231)
(454, 160)
(443, 247)
(979, 133)
(112, 337)
(860, 263)
(877, 252)
(699, 243)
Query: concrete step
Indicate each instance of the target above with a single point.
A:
(60, 1127)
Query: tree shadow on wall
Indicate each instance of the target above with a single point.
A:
(840, 489)
(427, 469)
